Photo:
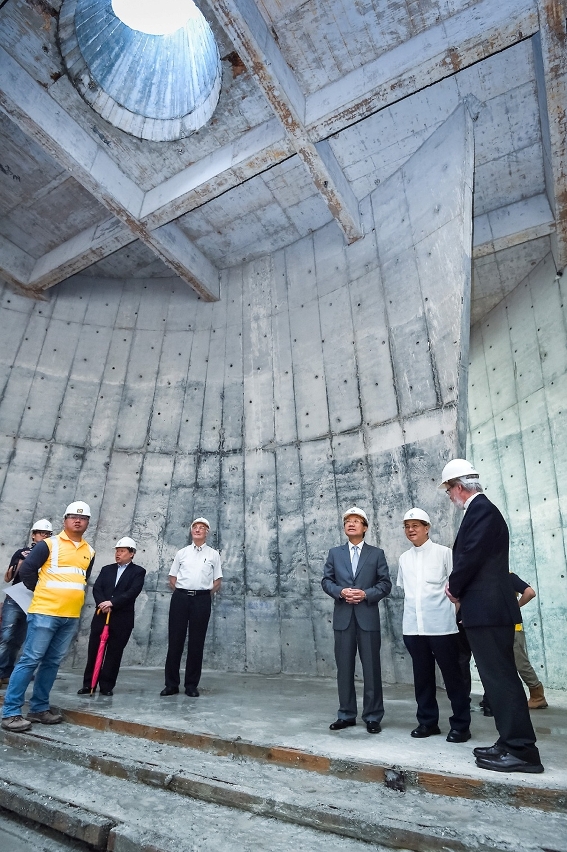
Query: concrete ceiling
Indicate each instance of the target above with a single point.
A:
(321, 101)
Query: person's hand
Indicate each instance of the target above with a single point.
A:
(353, 596)
(357, 595)
(449, 595)
(105, 606)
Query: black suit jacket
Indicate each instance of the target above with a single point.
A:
(481, 575)
(372, 575)
(124, 594)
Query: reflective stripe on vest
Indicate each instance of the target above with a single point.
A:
(55, 568)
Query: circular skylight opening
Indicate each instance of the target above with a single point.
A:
(150, 73)
(153, 18)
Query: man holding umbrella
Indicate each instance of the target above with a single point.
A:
(115, 591)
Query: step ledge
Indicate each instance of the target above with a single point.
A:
(459, 786)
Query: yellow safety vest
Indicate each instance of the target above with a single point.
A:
(62, 579)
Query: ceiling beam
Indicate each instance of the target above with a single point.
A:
(15, 264)
(465, 38)
(485, 28)
(37, 114)
(261, 54)
(550, 55)
(253, 152)
(177, 250)
(79, 252)
(511, 225)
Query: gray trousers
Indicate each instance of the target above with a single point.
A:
(368, 644)
(525, 668)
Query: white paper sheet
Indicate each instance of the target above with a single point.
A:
(20, 594)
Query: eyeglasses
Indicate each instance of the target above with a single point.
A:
(450, 487)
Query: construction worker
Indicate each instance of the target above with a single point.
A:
(14, 616)
(537, 700)
(56, 570)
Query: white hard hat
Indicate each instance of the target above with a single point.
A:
(416, 514)
(78, 508)
(201, 521)
(456, 468)
(354, 510)
(42, 526)
(126, 541)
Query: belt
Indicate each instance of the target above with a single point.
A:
(194, 592)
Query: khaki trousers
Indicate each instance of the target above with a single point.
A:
(525, 668)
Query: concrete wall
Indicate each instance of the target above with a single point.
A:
(517, 428)
(326, 375)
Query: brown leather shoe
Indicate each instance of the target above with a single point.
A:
(16, 724)
(46, 717)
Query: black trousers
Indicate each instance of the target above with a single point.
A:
(425, 651)
(493, 651)
(120, 628)
(465, 655)
(368, 644)
(186, 612)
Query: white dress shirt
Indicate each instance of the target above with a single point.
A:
(196, 568)
(471, 498)
(120, 571)
(352, 549)
(422, 574)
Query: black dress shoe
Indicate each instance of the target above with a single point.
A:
(342, 723)
(373, 727)
(458, 736)
(192, 693)
(108, 692)
(506, 762)
(170, 690)
(85, 690)
(425, 731)
(488, 751)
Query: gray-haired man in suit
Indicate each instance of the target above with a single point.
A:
(356, 576)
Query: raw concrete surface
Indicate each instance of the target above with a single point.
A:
(295, 712)
(19, 836)
(166, 773)
(325, 376)
(517, 426)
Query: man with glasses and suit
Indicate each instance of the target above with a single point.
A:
(356, 576)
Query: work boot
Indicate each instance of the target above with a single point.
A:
(46, 717)
(16, 724)
(537, 698)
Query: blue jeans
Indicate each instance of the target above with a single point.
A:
(47, 641)
(12, 634)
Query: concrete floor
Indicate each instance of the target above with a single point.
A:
(295, 712)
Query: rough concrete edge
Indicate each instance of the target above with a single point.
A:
(385, 831)
(67, 819)
(128, 838)
(439, 783)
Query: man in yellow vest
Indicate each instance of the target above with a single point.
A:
(56, 570)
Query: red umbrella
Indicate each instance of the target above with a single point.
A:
(100, 653)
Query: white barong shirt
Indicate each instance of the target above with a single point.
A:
(422, 574)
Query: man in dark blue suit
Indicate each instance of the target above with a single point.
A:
(356, 576)
(480, 582)
(115, 591)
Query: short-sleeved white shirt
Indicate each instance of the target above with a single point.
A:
(196, 568)
(422, 574)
